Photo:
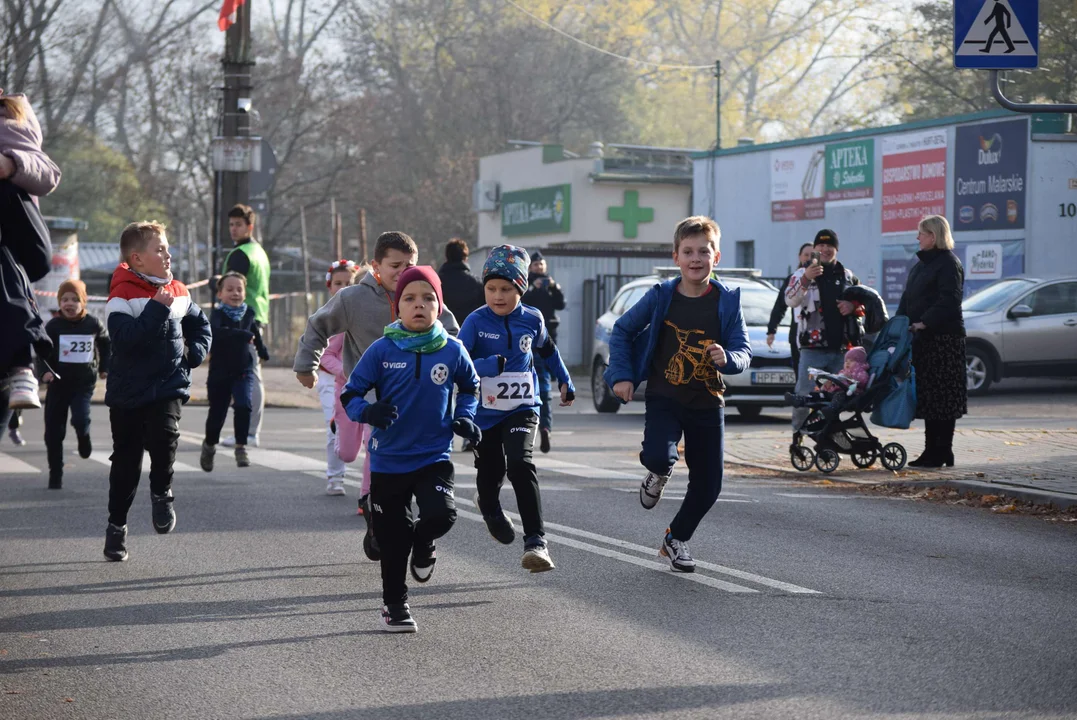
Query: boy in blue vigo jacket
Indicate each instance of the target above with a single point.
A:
(502, 336)
(681, 337)
(412, 368)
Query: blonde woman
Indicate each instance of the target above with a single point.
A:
(932, 302)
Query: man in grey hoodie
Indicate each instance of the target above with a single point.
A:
(360, 311)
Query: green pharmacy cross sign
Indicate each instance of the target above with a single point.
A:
(631, 214)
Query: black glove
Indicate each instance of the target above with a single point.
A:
(500, 364)
(380, 415)
(467, 429)
(570, 396)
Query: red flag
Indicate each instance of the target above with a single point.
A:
(227, 17)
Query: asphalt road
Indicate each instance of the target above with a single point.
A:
(810, 602)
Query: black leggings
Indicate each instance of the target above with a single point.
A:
(152, 428)
(396, 531)
(508, 447)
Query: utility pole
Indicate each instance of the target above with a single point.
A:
(718, 105)
(232, 186)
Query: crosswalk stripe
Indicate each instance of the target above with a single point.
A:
(578, 470)
(11, 464)
(104, 458)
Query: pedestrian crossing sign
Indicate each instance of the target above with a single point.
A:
(996, 34)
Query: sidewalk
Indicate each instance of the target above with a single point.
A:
(1035, 465)
(282, 389)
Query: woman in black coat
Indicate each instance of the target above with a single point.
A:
(932, 302)
(780, 309)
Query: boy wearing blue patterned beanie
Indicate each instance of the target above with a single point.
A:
(501, 337)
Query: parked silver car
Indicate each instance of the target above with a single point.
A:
(1021, 327)
(771, 373)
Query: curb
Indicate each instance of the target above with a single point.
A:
(1063, 501)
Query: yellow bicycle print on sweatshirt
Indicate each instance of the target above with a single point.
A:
(696, 358)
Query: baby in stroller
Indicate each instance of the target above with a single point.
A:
(852, 380)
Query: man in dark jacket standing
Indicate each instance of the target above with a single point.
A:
(544, 295)
(462, 291)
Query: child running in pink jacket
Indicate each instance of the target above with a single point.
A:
(343, 436)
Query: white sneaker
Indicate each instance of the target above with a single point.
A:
(537, 559)
(677, 553)
(230, 441)
(23, 390)
(335, 487)
(650, 492)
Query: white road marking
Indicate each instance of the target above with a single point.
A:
(824, 496)
(578, 470)
(10, 464)
(631, 559)
(102, 457)
(667, 496)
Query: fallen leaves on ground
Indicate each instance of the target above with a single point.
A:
(997, 502)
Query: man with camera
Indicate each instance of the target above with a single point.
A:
(826, 325)
(544, 295)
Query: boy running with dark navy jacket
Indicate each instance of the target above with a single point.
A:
(681, 337)
(413, 369)
(501, 337)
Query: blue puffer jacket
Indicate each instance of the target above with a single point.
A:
(635, 333)
(487, 336)
(154, 348)
(420, 386)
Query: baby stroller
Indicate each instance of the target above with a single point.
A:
(834, 436)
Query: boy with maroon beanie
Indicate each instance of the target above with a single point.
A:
(413, 368)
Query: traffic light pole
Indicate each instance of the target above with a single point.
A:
(233, 187)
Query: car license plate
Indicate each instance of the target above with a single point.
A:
(772, 377)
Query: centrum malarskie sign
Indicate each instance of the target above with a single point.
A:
(536, 211)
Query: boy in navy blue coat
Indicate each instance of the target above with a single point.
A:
(412, 369)
(502, 335)
(231, 367)
(158, 336)
(681, 337)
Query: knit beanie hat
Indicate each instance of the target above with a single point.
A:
(858, 355)
(424, 273)
(826, 237)
(507, 262)
(73, 286)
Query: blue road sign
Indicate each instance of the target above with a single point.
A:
(996, 34)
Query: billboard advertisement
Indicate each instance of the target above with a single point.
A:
(850, 172)
(914, 179)
(797, 185)
(984, 264)
(990, 168)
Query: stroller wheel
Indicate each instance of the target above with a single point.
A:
(827, 461)
(802, 457)
(894, 456)
(865, 460)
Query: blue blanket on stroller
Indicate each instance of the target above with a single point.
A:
(891, 363)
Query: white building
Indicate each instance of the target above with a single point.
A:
(598, 220)
(1006, 182)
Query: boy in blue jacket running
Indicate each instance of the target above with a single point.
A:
(412, 368)
(502, 336)
(681, 337)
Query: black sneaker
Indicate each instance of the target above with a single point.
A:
(370, 543)
(56, 480)
(242, 458)
(422, 562)
(85, 446)
(206, 458)
(396, 618)
(544, 442)
(500, 525)
(116, 542)
(164, 517)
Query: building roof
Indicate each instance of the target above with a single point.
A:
(866, 132)
(98, 257)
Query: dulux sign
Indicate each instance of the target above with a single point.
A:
(990, 169)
